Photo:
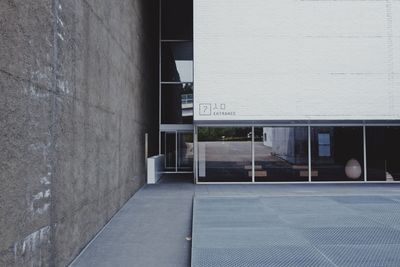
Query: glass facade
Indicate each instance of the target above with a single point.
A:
(383, 153)
(176, 20)
(176, 85)
(177, 61)
(281, 154)
(177, 103)
(176, 82)
(225, 154)
(337, 154)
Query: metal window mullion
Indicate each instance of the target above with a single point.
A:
(165, 151)
(146, 148)
(365, 152)
(159, 74)
(309, 155)
(176, 151)
(252, 156)
(195, 156)
(178, 146)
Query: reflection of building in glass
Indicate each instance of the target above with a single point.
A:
(177, 103)
(176, 85)
(289, 144)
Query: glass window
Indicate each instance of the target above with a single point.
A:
(177, 62)
(337, 154)
(177, 103)
(281, 154)
(383, 153)
(224, 154)
(324, 144)
(177, 19)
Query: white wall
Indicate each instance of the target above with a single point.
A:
(155, 168)
(292, 59)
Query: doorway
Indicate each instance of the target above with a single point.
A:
(177, 146)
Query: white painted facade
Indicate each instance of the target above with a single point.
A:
(296, 60)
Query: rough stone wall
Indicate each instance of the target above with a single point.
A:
(78, 92)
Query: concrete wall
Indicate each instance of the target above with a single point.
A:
(78, 91)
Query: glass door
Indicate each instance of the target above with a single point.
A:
(185, 151)
(169, 150)
(177, 146)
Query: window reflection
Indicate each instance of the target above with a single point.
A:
(185, 151)
(281, 154)
(177, 103)
(337, 153)
(168, 148)
(177, 62)
(224, 154)
(383, 153)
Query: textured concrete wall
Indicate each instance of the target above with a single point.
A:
(78, 92)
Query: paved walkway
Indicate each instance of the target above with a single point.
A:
(151, 229)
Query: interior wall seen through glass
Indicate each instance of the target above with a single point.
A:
(177, 103)
(337, 154)
(224, 154)
(383, 153)
(281, 154)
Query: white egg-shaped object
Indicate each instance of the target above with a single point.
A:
(353, 169)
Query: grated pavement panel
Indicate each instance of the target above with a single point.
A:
(295, 231)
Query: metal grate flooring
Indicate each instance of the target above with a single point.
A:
(296, 231)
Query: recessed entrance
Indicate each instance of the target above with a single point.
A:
(177, 146)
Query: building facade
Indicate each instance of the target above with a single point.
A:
(283, 91)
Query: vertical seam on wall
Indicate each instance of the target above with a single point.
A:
(52, 129)
(119, 150)
(389, 31)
